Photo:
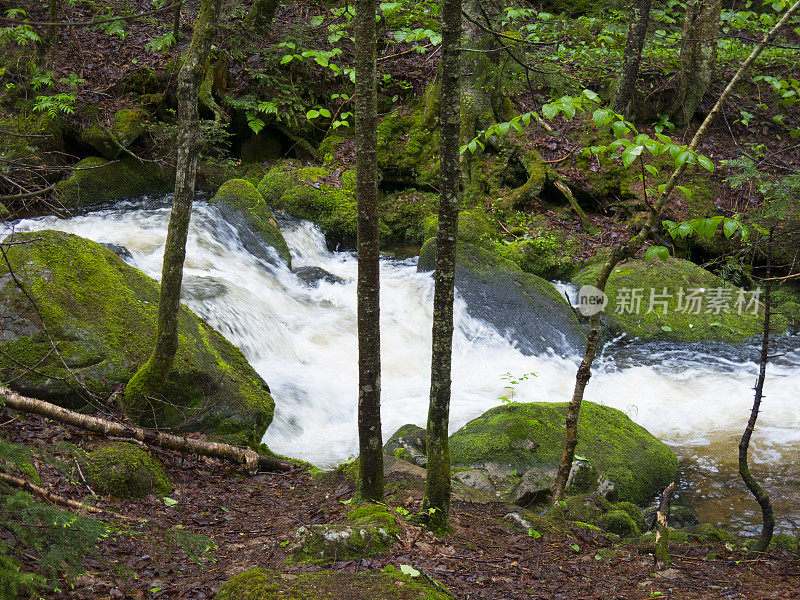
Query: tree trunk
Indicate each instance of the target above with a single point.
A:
(261, 15)
(243, 456)
(437, 483)
(628, 249)
(698, 57)
(637, 33)
(176, 22)
(761, 496)
(149, 381)
(368, 287)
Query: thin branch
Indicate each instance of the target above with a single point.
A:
(87, 23)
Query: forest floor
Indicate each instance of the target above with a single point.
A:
(251, 520)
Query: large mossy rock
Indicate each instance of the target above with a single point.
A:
(306, 193)
(520, 437)
(97, 181)
(674, 276)
(242, 204)
(101, 316)
(526, 307)
(125, 471)
(128, 126)
(391, 584)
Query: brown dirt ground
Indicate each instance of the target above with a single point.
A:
(251, 518)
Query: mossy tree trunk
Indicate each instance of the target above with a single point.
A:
(368, 287)
(637, 33)
(149, 381)
(437, 482)
(261, 15)
(698, 58)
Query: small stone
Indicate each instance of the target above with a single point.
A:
(476, 479)
(536, 487)
(518, 519)
(583, 477)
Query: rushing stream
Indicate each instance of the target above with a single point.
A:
(301, 337)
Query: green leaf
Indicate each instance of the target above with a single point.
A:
(729, 227)
(630, 153)
(575, 547)
(666, 328)
(534, 534)
(312, 114)
(325, 112)
(550, 110)
(602, 117)
(652, 170)
(409, 570)
(590, 95)
(169, 501)
(683, 230)
(620, 128)
(562, 504)
(287, 59)
(153, 590)
(706, 163)
(684, 157)
(657, 252)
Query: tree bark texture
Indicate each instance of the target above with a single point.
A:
(698, 57)
(261, 15)
(628, 249)
(368, 286)
(661, 553)
(148, 381)
(637, 34)
(761, 496)
(243, 456)
(437, 482)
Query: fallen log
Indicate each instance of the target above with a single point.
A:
(26, 485)
(250, 459)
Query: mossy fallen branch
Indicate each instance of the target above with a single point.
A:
(251, 460)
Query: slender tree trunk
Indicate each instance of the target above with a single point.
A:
(368, 289)
(52, 32)
(176, 22)
(637, 33)
(437, 482)
(662, 528)
(698, 57)
(261, 16)
(761, 496)
(150, 379)
(628, 249)
(243, 456)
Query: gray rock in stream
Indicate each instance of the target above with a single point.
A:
(524, 307)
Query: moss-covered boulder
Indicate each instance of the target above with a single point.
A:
(96, 181)
(100, 314)
(408, 443)
(712, 315)
(307, 193)
(516, 438)
(125, 471)
(127, 126)
(407, 213)
(370, 530)
(408, 150)
(619, 522)
(242, 204)
(391, 584)
(526, 307)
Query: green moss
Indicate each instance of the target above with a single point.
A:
(406, 213)
(310, 174)
(96, 181)
(125, 471)
(258, 584)
(785, 542)
(102, 314)
(634, 512)
(623, 451)
(375, 515)
(278, 180)
(348, 179)
(674, 275)
(709, 533)
(243, 197)
(128, 126)
(408, 150)
(619, 522)
(583, 508)
(333, 209)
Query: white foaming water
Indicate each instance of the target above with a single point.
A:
(302, 339)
